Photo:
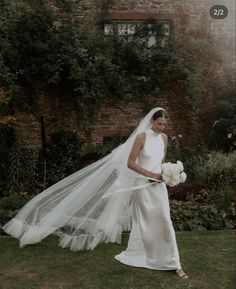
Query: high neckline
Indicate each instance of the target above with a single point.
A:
(154, 132)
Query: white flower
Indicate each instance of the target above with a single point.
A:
(173, 174)
(180, 165)
(183, 177)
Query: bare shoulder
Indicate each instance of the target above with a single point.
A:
(141, 135)
(140, 138)
(165, 137)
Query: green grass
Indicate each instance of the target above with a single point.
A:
(208, 258)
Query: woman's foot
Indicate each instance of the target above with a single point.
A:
(181, 274)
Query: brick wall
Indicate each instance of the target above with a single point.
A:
(188, 17)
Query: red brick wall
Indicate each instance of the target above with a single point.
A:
(188, 17)
(57, 114)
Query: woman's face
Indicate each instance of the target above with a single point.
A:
(159, 124)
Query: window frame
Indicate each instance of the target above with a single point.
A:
(116, 22)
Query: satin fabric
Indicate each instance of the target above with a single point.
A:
(152, 242)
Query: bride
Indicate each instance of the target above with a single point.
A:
(97, 203)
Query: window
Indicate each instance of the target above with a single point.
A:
(153, 33)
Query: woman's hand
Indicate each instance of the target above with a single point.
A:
(155, 176)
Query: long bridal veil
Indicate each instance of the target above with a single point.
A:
(87, 207)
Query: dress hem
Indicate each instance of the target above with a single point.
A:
(126, 262)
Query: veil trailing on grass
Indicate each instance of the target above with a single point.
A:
(88, 207)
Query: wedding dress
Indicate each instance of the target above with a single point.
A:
(152, 243)
(93, 205)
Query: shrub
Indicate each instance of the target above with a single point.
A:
(22, 171)
(10, 205)
(18, 167)
(92, 153)
(190, 157)
(7, 139)
(223, 134)
(62, 156)
(191, 216)
(218, 169)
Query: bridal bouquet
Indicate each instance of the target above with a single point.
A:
(173, 174)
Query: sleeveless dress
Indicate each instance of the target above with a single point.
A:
(152, 242)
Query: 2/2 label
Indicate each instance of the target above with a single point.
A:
(218, 11)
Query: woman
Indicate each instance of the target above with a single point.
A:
(152, 242)
(93, 204)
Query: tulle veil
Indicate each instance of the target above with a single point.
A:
(86, 208)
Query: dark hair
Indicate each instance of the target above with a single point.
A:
(159, 113)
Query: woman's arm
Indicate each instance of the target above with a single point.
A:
(137, 147)
(165, 139)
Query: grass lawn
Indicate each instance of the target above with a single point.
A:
(208, 258)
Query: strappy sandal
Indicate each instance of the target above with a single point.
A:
(182, 275)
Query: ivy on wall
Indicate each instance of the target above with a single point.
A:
(47, 53)
(41, 53)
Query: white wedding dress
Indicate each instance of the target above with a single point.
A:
(97, 203)
(152, 243)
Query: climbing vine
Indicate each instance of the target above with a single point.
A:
(40, 53)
